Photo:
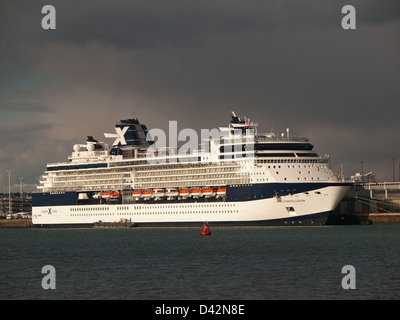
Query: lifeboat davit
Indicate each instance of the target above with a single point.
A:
(205, 230)
(158, 193)
(171, 193)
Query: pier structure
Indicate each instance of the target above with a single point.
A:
(369, 203)
(382, 186)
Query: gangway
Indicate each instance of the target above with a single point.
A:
(381, 186)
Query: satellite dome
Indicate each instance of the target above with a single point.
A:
(90, 146)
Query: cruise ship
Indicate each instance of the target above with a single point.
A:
(235, 176)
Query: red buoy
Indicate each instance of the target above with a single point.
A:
(205, 231)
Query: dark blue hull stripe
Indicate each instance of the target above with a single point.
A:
(234, 193)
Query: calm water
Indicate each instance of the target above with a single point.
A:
(232, 263)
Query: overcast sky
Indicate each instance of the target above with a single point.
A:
(282, 63)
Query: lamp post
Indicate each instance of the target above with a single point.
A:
(9, 191)
(21, 198)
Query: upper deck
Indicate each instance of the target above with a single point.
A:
(238, 154)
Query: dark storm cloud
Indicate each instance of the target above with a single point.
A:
(282, 63)
(370, 12)
(17, 131)
(21, 101)
(153, 23)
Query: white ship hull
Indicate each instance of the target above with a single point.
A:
(303, 208)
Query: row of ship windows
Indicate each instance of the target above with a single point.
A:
(160, 206)
(118, 179)
(89, 209)
(219, 205)
(186, 171)
(91, 177)
(277, 172)
(285, 179)
(183, 178)
(144, 180)
(79, 182)
(152, 212)
(212, 169)
(291, 161)
(299, 166)
(194, 165)
(166, 181)
(162, 184)
(90, 172)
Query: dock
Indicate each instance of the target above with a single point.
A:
(16, 223)
(369, 203)
(364, 218)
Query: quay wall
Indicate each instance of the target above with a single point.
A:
(16, 223)
(364, 218)
(358, 208)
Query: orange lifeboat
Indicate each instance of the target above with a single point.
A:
(147, 194)
(221, 191)
(106, 194)
(208, 192)
(110, 194)
(184, 193)
(205, 230)
(137, 194)
(196, 192)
